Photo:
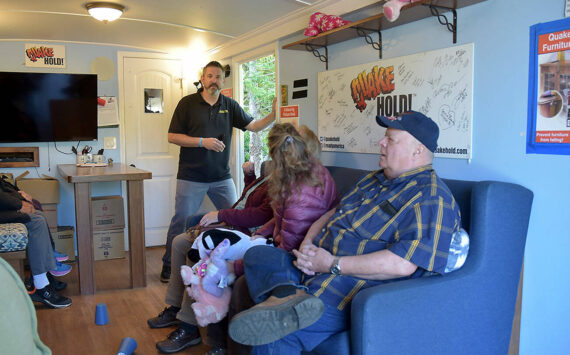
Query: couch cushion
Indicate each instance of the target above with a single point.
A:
(345, 178)
(13, 237)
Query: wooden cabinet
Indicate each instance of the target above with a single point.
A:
(19, 157)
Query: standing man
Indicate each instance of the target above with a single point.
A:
(202, 126)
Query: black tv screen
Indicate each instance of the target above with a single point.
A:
(48, 107)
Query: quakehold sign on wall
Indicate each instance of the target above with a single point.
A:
(437, 83)
(45, 56)
(548, 128)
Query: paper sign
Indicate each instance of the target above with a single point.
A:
(40, 56)
(284, 97)
(107, 111)
(289, 111)
(290, 114)
(228, 92)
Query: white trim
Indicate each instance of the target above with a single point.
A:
(287, 25)
(82, 42)
(123, 18)
(237, 142)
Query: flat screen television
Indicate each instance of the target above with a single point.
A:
(47, 107)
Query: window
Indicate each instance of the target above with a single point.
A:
(254, 82)
(258, 85)
(549, 81)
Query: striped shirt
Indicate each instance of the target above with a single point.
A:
(413, 216)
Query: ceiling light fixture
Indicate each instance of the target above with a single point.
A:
(105, 11)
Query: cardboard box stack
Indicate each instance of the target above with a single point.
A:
(46, 191)
(108, 218)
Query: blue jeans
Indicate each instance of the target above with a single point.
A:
(40, 251)
(268, 267)
(189, 197)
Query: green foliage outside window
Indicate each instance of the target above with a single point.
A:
(258, 93)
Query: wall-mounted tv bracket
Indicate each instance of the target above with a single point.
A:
(376, 45)
(323, 58)
(435, 11)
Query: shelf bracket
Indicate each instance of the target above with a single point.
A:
(376, 45)
(435, 11)
(323, 58)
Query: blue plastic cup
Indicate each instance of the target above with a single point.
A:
(101, 316)
(128, 345)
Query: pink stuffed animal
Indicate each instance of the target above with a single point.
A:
(392, 8)
(208, 286)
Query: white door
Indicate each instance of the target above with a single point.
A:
(152, 89)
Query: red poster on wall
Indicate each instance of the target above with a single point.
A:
(228, 92)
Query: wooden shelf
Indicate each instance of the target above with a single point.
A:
(18, 157)
(409, 13)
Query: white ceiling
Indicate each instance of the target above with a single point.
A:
(160, 25)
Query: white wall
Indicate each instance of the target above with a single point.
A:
(500, 31)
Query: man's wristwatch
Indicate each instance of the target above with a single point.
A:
(335, 268)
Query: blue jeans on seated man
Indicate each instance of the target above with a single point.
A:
(268, 267)
(189, 197)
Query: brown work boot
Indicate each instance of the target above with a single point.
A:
(275, 318)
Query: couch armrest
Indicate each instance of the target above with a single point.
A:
(407, 317)
(469, 311)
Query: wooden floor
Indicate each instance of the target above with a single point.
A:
(73, 330)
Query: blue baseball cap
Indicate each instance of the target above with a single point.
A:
(415, 123)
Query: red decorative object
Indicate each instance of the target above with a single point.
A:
(320, 22)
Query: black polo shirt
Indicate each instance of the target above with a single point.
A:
(196, 118)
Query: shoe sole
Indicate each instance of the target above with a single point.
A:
(62, 258)
(60, 273)
(49, 304)
(163, 280)
(195, 341)
(264, 325)
(163, 325)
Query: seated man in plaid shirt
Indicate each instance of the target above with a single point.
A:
(396, 224)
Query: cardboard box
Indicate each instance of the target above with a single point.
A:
(109, 244)
(45, 189)
(8, 177)
(107, 213)
(63, 237)
(50, 211)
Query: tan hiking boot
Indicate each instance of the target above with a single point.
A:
(275, 318)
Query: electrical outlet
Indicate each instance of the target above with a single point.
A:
(110, 143)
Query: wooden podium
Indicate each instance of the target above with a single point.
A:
(81, 178)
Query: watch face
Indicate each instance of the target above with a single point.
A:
(335, 269)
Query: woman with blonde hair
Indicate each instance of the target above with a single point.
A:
(300, 187)
(301, 190)
(312, 141)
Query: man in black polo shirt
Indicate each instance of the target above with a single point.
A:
(202, 126)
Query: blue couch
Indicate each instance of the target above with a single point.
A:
(469, 311)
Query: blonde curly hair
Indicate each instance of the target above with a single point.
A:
(292, 163)
(311, 140)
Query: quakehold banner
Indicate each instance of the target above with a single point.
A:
(437, 83)
(548, 128)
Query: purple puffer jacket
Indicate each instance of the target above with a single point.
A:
(290, 224)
